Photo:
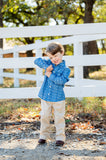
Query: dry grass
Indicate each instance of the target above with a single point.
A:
(99, 75)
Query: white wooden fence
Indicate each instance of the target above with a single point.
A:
(76, 35)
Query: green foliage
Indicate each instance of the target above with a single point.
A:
(20, 12)
(99, 12)
(69, 50)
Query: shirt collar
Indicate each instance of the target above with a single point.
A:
(60, 67)
(62, 64)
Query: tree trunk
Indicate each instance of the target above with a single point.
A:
(103, 46)
(89, 47)
(1, 21)
(29, 54)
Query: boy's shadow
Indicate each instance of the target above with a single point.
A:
(47, 151)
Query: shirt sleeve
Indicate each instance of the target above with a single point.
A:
(42, 63)
(61, 80)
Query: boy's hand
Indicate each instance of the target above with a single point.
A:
(49, 69)
(48, 74)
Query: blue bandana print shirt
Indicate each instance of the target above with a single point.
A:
(52, 87)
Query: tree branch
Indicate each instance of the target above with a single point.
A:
(80, 17)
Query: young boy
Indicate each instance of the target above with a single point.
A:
(51, 92)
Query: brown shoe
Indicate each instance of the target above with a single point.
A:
(59, 143)
(42, 141)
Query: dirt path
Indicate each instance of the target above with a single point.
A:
(20, 142)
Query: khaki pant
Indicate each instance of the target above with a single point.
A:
(59, 111)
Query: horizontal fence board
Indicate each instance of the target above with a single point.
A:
(10, 75)
(71, 81)
(84, 82)
(40, 44)
(57, 30)
(83, 60)
(64, 41)
(31, 77)
(87, 38)
(86, 91)
(17, 62)
(19, 93)
(22, 76)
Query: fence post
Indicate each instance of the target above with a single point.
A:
(1, 70)
(39, 73)
(16, 70)
(78, 70)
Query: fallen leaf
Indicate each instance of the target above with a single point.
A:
(102, 143)
(73, 127)
(25, 109)
(95, 131)
(88, 123)
(78, 139)
(37, 115)
(68, 107)
(29, 99)
(91, 126)
(68, 115)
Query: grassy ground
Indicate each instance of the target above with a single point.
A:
(29, 109)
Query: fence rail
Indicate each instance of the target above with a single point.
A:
(58, 30)
(77, 34)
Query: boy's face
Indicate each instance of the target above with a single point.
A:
(57, 58)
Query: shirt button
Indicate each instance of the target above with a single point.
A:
(49, 86)
(48, 93)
